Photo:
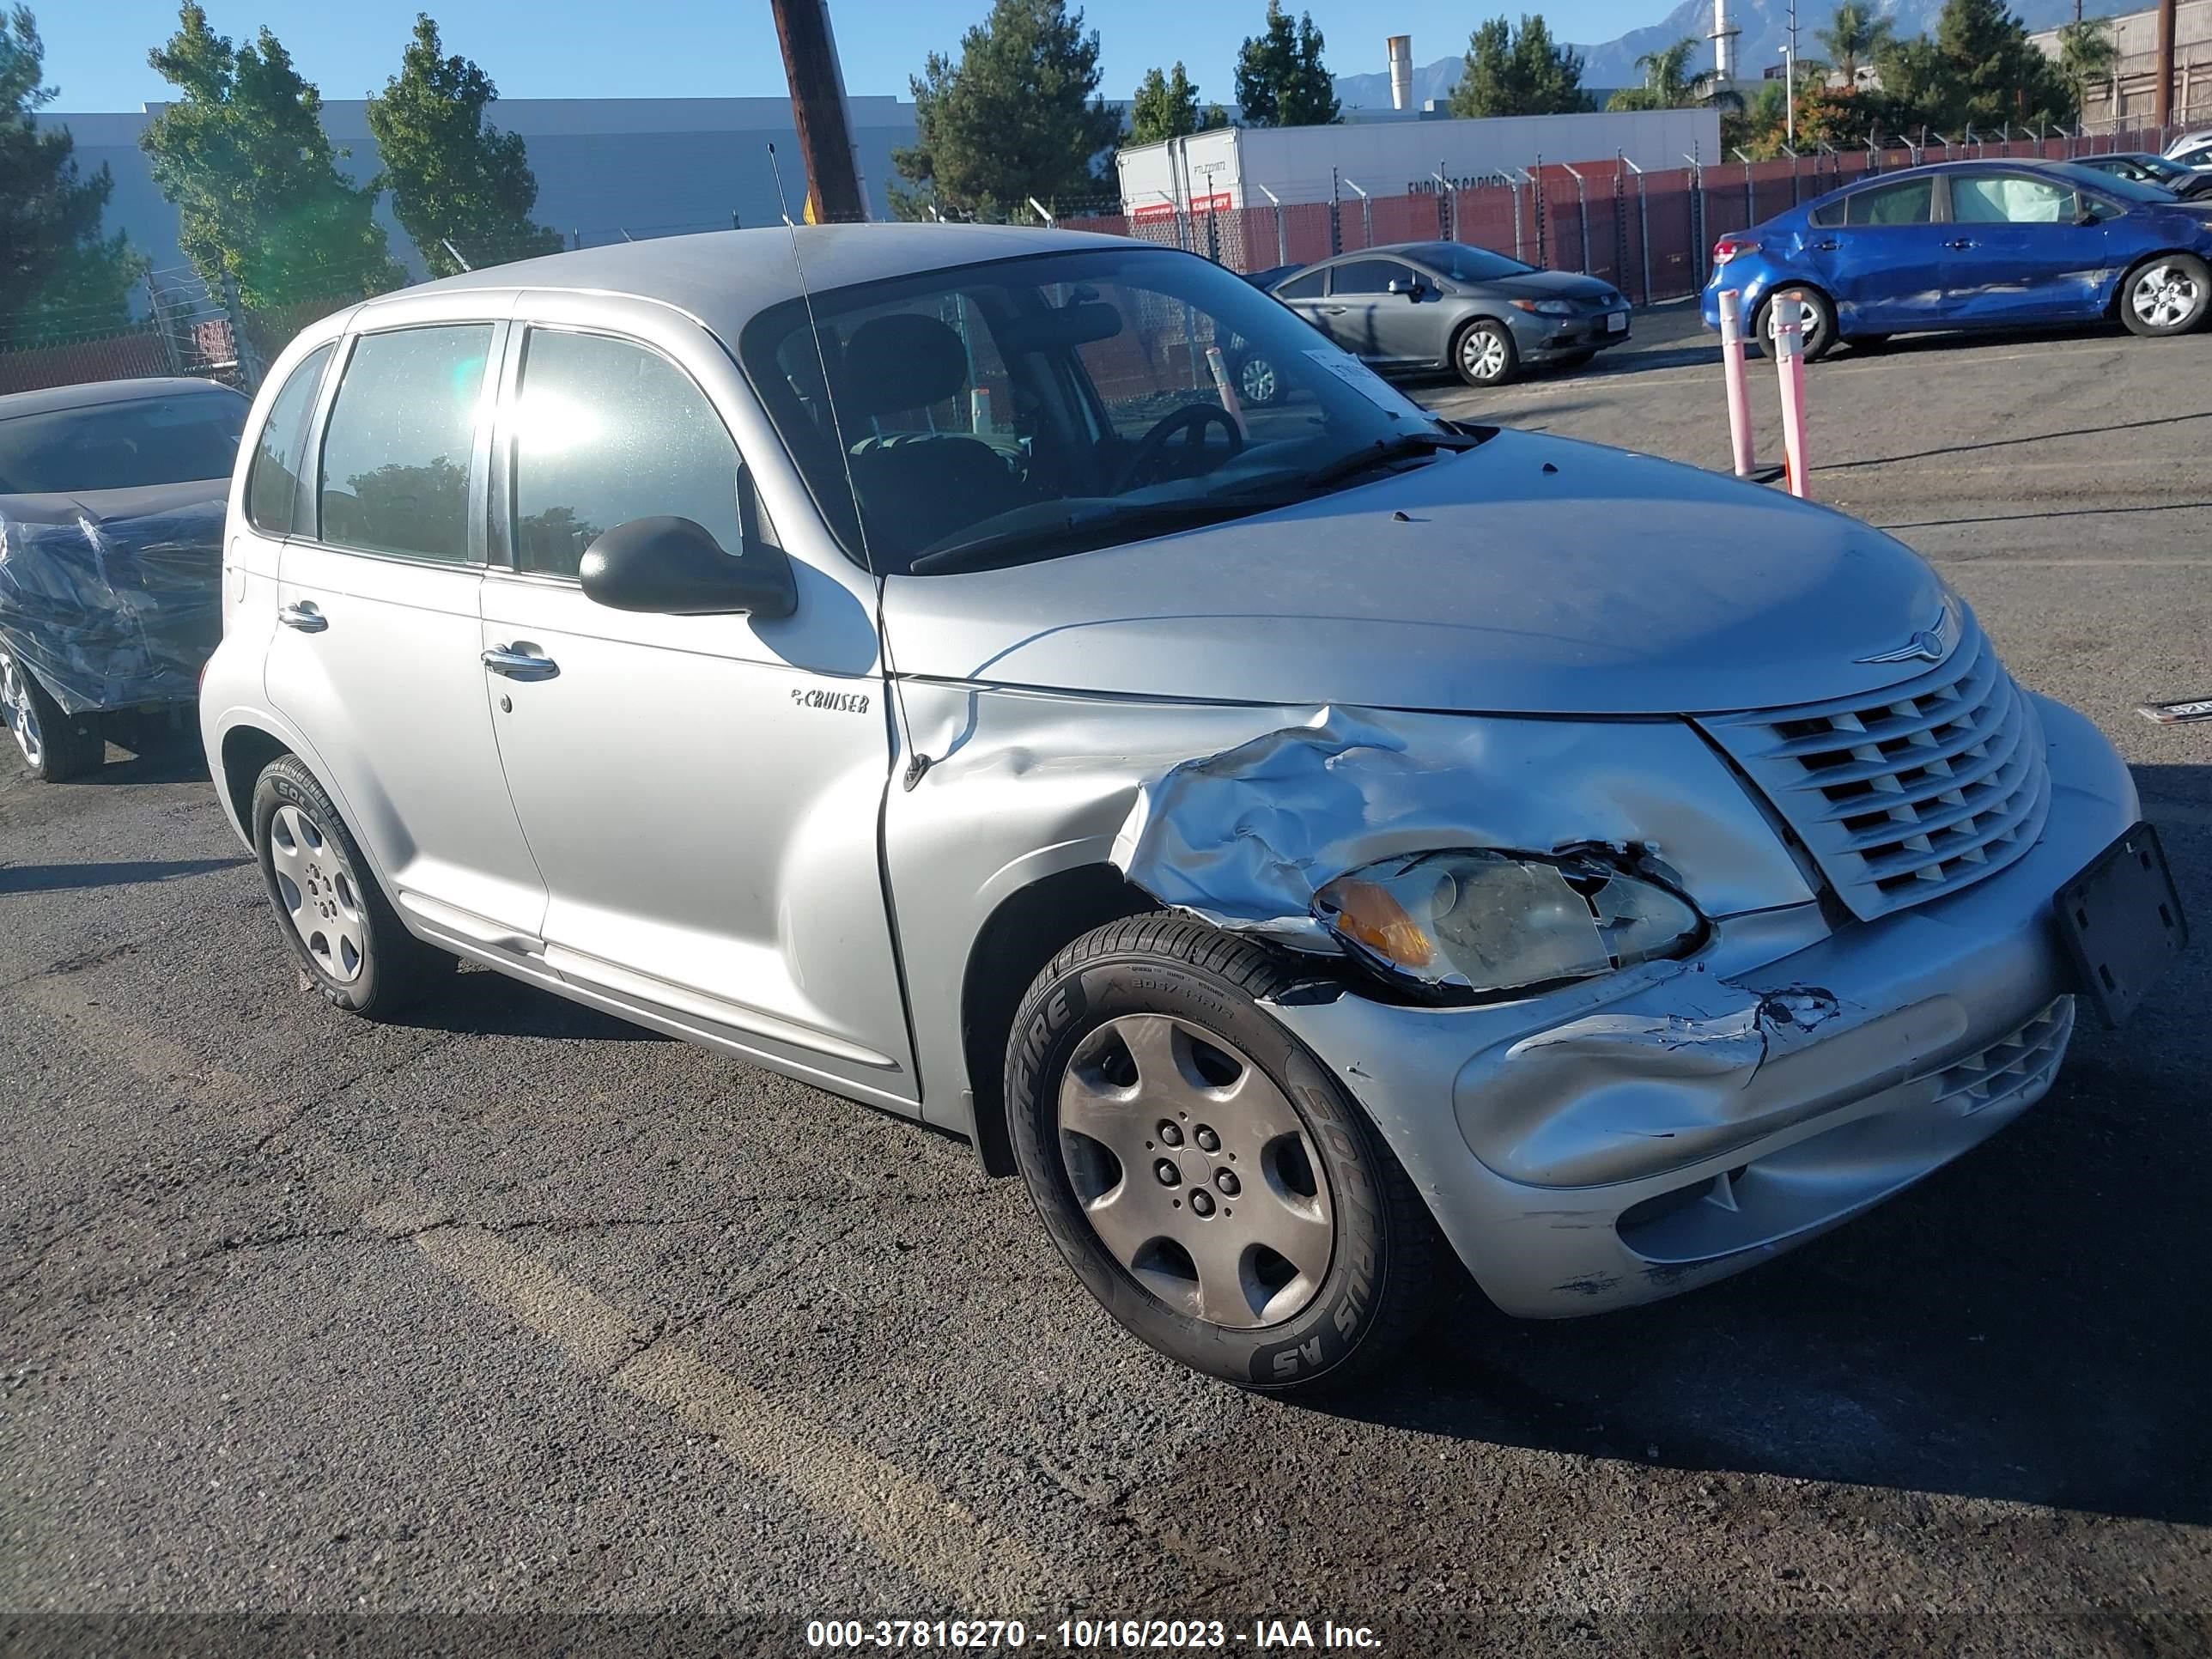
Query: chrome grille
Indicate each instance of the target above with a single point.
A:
(2012, 1067)
(1910, 792)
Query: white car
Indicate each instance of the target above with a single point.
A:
(2192, 149)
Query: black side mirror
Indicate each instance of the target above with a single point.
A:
(674, 567)
(1411, 287)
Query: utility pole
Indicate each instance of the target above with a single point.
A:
(1790, 83)
(2162, 100)
(818, 110)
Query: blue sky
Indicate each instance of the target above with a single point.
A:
(96, 49)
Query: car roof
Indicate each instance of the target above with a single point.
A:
(90, 393)
(723, 279)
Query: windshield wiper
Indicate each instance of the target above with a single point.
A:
(1383, 451)
(1083, 528)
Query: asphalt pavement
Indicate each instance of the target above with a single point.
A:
(514, 1327)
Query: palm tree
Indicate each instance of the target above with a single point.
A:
(1666, 73)
(2087, 55)
(1855, 39)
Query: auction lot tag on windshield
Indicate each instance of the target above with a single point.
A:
(1362, 379)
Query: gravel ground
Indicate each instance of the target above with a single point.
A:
(517, 1328)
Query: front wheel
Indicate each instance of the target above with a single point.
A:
(2165, 294)
(351, 944)
(55, 744)
(1817, 327)
(1484, 354)
(1209, 1180)
(1258, 385)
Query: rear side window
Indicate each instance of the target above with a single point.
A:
(1912, 202)
(272, 489)
(396, 451)
(606, 431)
(1307, 287)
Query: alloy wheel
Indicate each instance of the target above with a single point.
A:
(1194, 1171)
(1483, 351)
(317, 893)
(2164, 297)
(21, 716)
(1255, 380)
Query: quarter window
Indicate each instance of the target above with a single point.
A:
(396, 454)
(272, 489)
(606, 431)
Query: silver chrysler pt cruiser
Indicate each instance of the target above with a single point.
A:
(1306, 842)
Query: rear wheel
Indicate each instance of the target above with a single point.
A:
(1484, 353)
(1257, 383)
(2166, 293)
(1206, 1177)
(56, 745)
(349, 942)
(1817, 328)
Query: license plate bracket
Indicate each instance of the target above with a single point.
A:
(1616, 322)
(2122, 923)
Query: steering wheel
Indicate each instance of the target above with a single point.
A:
(1152, 454)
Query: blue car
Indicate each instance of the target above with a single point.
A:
(1973, 244)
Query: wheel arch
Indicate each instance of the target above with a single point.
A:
(1026, 929)
(246, 754)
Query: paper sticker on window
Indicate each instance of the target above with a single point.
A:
(1362, 379)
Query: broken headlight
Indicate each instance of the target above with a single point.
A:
(1470, 922)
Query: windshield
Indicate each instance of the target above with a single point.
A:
(2112, 184)
(121, 446)
(1032, 407)
(1463, 263)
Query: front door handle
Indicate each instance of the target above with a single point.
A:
(1334, 311)
(1828, 247)
(303, 616)
(1964, 241)
(521, 664)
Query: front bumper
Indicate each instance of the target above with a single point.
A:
(1626, 1139)
(1537, 338)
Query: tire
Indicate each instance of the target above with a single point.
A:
(1258, 382)
(1484, 354)
(351, 945)
(1820, 325)
(1155, 996)
(2167, 294)
(54, 745)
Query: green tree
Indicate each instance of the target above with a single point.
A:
(1016, 115)
(1281, 81)
(59, 275)
(1979, 72)
(2087, 56)
(453, 176)
(1667, 81)
(1166, 106)
(1855, 39)
(1519, 72)
(243, 154)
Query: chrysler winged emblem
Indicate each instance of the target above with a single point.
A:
(1931, 644)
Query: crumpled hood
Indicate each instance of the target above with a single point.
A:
(1533, 574)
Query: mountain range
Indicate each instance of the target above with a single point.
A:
(1765, 23)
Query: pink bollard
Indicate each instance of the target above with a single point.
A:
(1227, 393)
(1739, 387)
(1789, 366)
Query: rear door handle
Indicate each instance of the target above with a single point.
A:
(303, 616)
(1828, 247)
(521, 664)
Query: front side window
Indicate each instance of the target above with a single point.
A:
(1033, 407)
(606, 431)
(1911, 201)
(398, 445)
(1307, 287)
(2009, 198)
(272, 489)
(1370, 276)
